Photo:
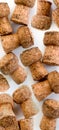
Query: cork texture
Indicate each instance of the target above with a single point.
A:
(55, 16)
(56, 2)
(4, 9)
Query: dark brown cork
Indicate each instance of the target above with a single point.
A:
(19, 75)
(51, 55)
(56, 2)
(26, 124)
(48, 124)
(29, 108)
(53, 78)
(55, 16)
(25, 36)
(43, 7)
(4, 85)
(5, 26)
(51, 38)
(10, 42)
(29, 3)
(41, 22)
(21, 14)
(30, 56)
(4, 10)
(41, 89)
(51, 108)
(22, 94)
(38, 70)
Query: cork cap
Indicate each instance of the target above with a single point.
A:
(4, 10)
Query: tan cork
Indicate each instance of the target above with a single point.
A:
(56, 2)
(4, 9)
(55, 16)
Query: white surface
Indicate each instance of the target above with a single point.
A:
(38, 40)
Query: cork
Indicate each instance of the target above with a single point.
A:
(51, 55)
(21, 94)
(55, 16)
(29, 108)
(4, 85)
(51, 108)
(25, 36)
(38, 71)
(4, 10)
(21, 14)
(2, 128)
(47, 123)
(56, 2)
(19, 75)
(29, 3)
(10, 42)
(41, 90)
(30, 56)
(11, 65)
(26, 124)
(41, 22)
(53, 78)
(5, 26)
(43, 7)
(51, 38)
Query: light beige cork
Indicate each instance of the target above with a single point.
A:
(56, 2)
(4, 9)
(55, 16)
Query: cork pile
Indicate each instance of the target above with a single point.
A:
(46, 82)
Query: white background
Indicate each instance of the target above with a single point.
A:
(38, 41)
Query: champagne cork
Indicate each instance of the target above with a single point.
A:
(21, 14)
(41, 90)
(56, 2)
(55, 16)
(4, 10)
(51, 108)
(30, 56)
(38, 70)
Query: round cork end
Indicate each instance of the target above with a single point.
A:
(5, 98)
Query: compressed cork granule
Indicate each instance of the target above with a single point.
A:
(53, 78)
(2, 128)
(21, 14)
(5, 26)
(29, 3)
(10, 42)
(51, 108)
(30, 56)
(19, 75)
(38, 70)
(4, 85)
(41, 89)
(4, 10)
(51, 38)
(41, 22)
(29, 108)
(22, 94)
(43, 7)
(25, 36)
(55, 16)
(48, 124)
(56, 2)
(51, 55)
(11, 65)
(26, 124)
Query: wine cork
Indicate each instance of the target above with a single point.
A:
(4, 10)
(41, 22)
(51, 38)
(29, 3)
(38, 70)
(51, 108)
(4, 85)
(21, 14)
(19, 75)
(43, 7)
(30, 56)
(53, 78)
(41, 90)
(55, 16)
(26, 124)
(56, 2)
(48, 124)
(25, 36)
(22, 94)
(2, 128)
(5, 26)
(51, 55)
(10, 42)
